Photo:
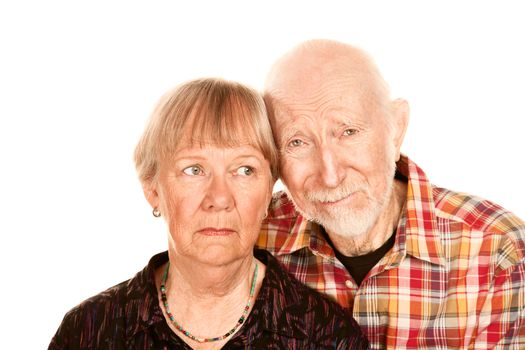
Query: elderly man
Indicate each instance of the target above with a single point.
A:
(419, 267)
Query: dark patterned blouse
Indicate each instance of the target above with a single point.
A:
(285, 315)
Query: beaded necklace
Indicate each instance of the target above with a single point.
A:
(200, 339)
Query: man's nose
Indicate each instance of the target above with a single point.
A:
(218, 195)
(331, 170)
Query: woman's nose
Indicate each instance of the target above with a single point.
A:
(219, 195)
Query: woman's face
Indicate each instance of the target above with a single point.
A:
(213, 199)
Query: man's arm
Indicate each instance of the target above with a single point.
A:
(502, 318)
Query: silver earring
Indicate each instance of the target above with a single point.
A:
(265, 214)
(156, 212)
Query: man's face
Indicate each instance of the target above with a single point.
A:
(337, 153)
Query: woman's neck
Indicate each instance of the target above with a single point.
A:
(208, 300)
(205, 281)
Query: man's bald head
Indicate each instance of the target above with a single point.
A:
(318, 62)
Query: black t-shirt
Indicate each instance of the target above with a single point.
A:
(359, 266)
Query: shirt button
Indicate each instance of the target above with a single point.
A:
(348, 283)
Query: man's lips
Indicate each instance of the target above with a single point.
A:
(213, 231)
(344, 200)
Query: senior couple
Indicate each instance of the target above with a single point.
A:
(360, 250)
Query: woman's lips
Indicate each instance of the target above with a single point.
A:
(212, 231)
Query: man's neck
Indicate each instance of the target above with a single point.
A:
(380, 232)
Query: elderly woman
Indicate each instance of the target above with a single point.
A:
(207, 164)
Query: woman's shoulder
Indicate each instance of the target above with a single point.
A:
(91, 319)
(111, 313)
(94, 316)
(105, 302)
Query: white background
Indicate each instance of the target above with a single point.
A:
(79, 79)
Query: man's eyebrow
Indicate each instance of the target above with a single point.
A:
(286, 133)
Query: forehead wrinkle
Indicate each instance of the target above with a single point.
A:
(331, 99)
(315, 93)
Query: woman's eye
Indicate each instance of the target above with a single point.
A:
(349, 132)
(192, 170)
(244, 171)
(296, 143)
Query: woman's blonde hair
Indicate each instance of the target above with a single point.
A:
(205, 111)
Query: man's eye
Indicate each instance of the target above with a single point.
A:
(349, 132)
(244, 170)
(193, 170)
(296, 143)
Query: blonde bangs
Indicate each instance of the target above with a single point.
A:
(204, 112)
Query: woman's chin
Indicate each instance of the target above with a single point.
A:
(219, 254)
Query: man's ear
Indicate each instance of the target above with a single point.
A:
(150, 192)
(400, 115)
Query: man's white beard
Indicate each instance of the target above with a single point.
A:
(346, 221)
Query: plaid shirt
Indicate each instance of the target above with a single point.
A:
(455, 277)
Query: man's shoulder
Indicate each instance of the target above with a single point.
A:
(284, 230)
(475, 214)
(281, 207)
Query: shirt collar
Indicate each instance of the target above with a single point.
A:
(299, 232)
(142, 309)
(418, 232)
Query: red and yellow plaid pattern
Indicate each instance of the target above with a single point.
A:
(455, 277)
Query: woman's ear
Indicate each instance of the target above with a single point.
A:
(150, 192)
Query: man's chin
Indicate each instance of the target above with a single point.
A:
(344, 223)
(339, 220)
(350, 231)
